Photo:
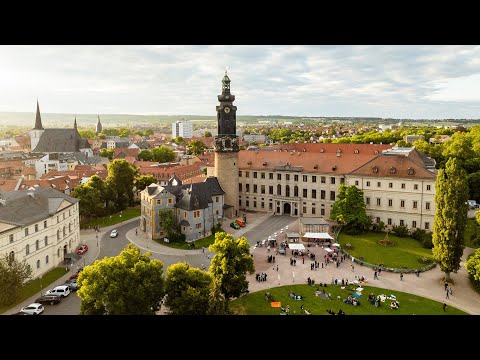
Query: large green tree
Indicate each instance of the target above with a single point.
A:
(13, 275)
(350, 208)
(145, 155)
(90, 201)
(450, 216)
(121, 177)
(97, 182)
(187, 289)
(474, 186)
(108, 153)
(128, 284)
(231, 263)
(207, 134)
(196, 147)
(163, 154)
(142, 181)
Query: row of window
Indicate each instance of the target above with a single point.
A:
(402, 223)
(390, 185)
(323, 179)
(287, 191)
(270, 206)
(402, 203)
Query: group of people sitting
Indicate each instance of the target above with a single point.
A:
(394, 305)
(295, 297)
(352, 300)
(331, 312)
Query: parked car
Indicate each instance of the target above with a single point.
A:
(61, 290)
(240, 222)
(49, 299)
(235, 225)
(72, 284)
(82, 249)
(33, 309)
(114, 233)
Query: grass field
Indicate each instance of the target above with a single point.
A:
(255, 303)
(112, 219)
(406, 252)
(205, 242)
(34, 286)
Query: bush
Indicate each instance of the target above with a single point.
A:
(475, 283)
(176, 237)
(378, 227)
(419, 234)
(427, 241)
(400, 231)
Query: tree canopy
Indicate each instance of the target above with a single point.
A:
(207, 134)
(473, 265)
(121, 177)
(163, 154)
(450, 216)
(350, 207)
(196, 147)
(13, 275)
(128, 284)
(90, 200)
(142, 181)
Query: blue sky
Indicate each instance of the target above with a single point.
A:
(398, 81)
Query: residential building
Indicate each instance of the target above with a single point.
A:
(183, 128)
(412, 138)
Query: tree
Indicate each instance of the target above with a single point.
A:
(142, 181)
(107, 153)
(179, 140)
(474, 185)
(196, 147)
(128, 284)
(167, 222)
(163, 154)
(121, 176)
(451, 216)
(460, 147)
(207, 134)
(350, 208)
(90, 202)
(148, 132)
(97, 182)
(187, 289)
(230, 264)
(13, 275)
(87, 134)
(473, 265)
(145, 155)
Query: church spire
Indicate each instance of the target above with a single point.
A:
(226, 84)
(75, 122)
(38, 119)
(99, 125)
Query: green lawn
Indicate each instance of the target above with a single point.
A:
(405, 252)
(112, 219)
(468, 232)
(34, 286)
(255, 303)
(205, 242)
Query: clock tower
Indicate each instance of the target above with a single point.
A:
(226, 149)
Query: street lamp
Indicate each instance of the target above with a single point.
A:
(41, 286)
(96, 235)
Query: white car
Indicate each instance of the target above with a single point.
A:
(114, 233)
(62, 290)
(33, 309)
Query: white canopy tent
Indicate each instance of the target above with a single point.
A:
(322, 236)
(296, 246)
(328, 250)
(335, 244)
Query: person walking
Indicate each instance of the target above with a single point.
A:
(277, 267)
(401, 276)
(444, 306)
(447, 297)
(353, 268)
(375, 277)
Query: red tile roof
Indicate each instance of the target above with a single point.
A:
(8, 185)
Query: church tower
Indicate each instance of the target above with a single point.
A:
(226, 149)
(99, 125)
(37, 131)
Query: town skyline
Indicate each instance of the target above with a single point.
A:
(397, 81)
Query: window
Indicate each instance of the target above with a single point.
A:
(367, 201)
(196, 214)
(379, 184)
(295, 190)
(11, 237)
(304, 178)
(262, 189)
(414, 224)
(216, 199)
(402, 223)
(11, 257)
(184, 228)
(295, 177)
(240, 202)
(270, 190)
(58, 252)
(69, 228)
(305, 193)
(313, 211)
(304, 209)
(254, 174)
(322, 212)
(279, 176)
(342, 180)
(402, 203)
(46, 259)
(254, 204)
(247, 203)
(427, 206)
(27, 249)
(37, 245)
(427, 226)
(314, 194)
(247, 187)
(322, 194)
(287, 177)
(356, 182)
(63, 216)
(247, 174)
(240, 173)
(263, 205)
(270, 176)
(429, 187)
(262, 175)
(159, 201)
(314, 179)
(64, 231)
(332, 180)
(184, 214)
(323, 179)
(38, 264)
(379, 201)
(270, 206)
(170, 201)
(415, 186)
(389, 221)
(368, 183)
(279, 189)
(46, 240)
(198, 226)
(58, 219)
(378, 220)
(58, 234)
(36, 227)
(403, 186)
(390, 185)
(390, 202)
(240, 187)
(255, 187)
(287, 190)
(415, 204)
(332, 195)
(45, 224)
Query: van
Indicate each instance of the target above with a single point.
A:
(62, 290)
(240, 222)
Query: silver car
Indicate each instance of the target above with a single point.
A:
(33, 309)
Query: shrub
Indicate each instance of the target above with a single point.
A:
(176, 237)
(427, 241)
(419, 234)
(475, 283)
(400, 231)
(378, 227)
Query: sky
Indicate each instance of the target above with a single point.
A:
(394, 81)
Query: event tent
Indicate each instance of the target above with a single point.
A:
(296, 246)
(314, 235)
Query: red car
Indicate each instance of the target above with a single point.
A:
(82, 249)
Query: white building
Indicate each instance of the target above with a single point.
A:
(182, 128)
(40, 226)
(50, 162)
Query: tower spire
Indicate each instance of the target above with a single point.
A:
(99, 125)
(75, 122)
(38, 118)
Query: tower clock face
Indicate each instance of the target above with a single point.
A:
(227, 110)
